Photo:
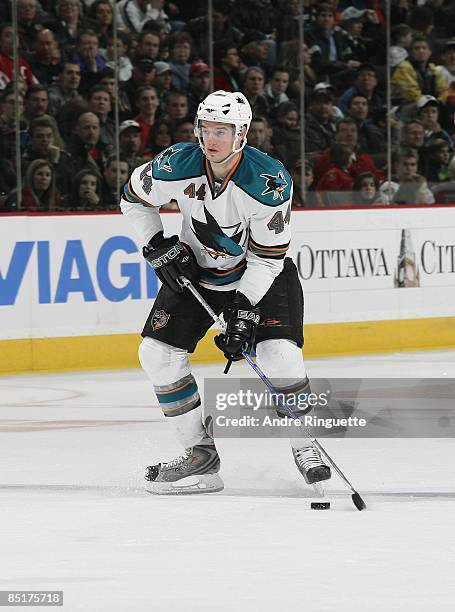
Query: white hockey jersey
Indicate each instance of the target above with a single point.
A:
(239, 231)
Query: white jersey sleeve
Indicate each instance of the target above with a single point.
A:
(270, 235)
(140, 202)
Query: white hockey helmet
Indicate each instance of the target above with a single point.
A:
(225, 107)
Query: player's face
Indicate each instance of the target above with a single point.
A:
(217, 139)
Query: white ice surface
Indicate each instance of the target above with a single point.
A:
(74, 515)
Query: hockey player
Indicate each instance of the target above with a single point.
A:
(236, 208)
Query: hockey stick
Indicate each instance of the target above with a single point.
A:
(357, 500)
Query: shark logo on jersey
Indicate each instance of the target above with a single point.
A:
(275, 184)
(164, 159)
(217, 243)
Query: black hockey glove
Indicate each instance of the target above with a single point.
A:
(171, 259)
(241, 322)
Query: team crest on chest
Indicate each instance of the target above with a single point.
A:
(218, 241)
(163, 160)
(275, 184)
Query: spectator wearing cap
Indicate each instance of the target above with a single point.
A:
(275, 89)
(326, 44)
(226, 60)
(366, 83)
(6, 59)
(125, 67)
(148, 103)
(319, 127)
(179, 55)
(65, 88)
(148, 45)
(371, 138)
(253, 88)
(254, 49)
(45, 62)
(428, 114)
(130, 143)
(347, 133)
(198, 87)
(100, 103)
(143, 75)
(286, 134)
(335, 185)
(222, 28)
(413, 188)
(163, 79)
(133, 14)
(354, 45)
(417, 76)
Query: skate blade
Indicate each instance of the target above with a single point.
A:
(191, 485)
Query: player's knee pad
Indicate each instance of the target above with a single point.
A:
(280, 358)
(168, 368)
(163, 363)
(282, 362)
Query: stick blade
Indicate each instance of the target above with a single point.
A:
(358, 502)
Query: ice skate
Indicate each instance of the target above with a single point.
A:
(311, 465)
(195, 471)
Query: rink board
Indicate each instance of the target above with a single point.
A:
(75, 291)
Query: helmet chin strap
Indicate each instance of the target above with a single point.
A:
(223, 161)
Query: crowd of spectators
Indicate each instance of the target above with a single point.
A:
(68, 94)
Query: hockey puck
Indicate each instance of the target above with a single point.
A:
(320, 505)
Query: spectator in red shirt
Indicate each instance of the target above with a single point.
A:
(39, 192)
(347, 133)
(226, 61)
(336, 184)
(6, 59)
(147, 102)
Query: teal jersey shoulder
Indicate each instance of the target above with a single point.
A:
(179, 162)
(263, 178)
